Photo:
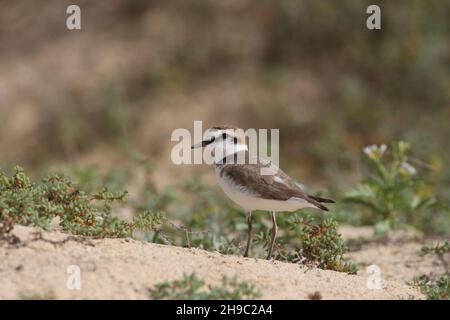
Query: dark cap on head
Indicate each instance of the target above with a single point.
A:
(224, 127)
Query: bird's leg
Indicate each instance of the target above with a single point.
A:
(274, 234)
(249, 233)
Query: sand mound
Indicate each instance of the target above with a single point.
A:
(126, 269)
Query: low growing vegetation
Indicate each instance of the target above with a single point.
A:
(90, 214)
(191, 287)
(395, 195)
(319, 245)
(435, 287)
(322, 245)
(439, 250)
(210, 222)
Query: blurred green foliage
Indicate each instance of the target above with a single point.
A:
(440, 249)
(395, 194)
(310, 68)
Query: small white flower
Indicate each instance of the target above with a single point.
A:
(409, 168)
(369, 149)
(374, 150)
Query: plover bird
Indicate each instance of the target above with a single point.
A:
(240, 177)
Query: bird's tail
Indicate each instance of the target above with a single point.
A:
(322, 200)
(317, 201)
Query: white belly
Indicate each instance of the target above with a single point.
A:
(249, 201)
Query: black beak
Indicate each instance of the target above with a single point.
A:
(202, 144)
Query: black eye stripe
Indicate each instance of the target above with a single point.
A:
(207, 142)
(226, 136)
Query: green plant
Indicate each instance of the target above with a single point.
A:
(434, 289)
(6, 226)
(439, 249)
(80, 212)
(395, 194)
(323, 246)
(433, 286)
(315, 244)
(190, 288)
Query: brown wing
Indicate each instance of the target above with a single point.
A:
(278, 186)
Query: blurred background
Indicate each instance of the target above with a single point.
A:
(114, 91)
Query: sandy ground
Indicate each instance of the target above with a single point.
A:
(126, 269)
(396, 256)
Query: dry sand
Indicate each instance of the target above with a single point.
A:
(127, 269)
(396, 255)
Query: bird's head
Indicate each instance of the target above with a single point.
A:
(223, 139)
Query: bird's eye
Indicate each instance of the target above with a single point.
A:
(235, 140)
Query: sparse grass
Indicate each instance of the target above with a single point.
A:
(190, 287)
